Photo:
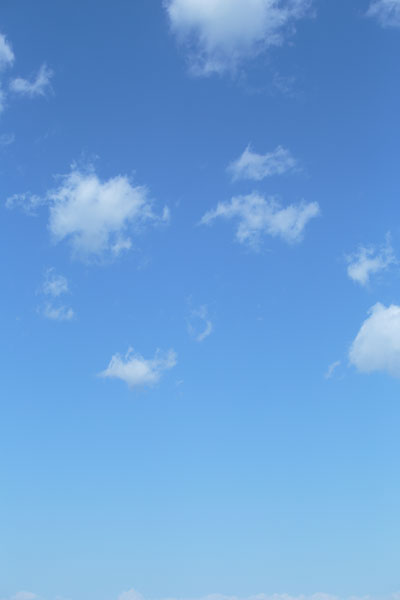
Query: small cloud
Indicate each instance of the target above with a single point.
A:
(260, 216)
(38, 87)
(137, 371)
(251, 165)
(377, 344)
(369, 261)
(6, 54)
(199, 324)
(387, 12)
(121, 245)
(331, 369)
(6, 139)
(220, 35)
(130, 595)
(27, 202)
(54, 286)
(24, 596)
(58, 313)
(94, 216)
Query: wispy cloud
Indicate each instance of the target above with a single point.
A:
(220, 35)
(370, 260)
(6, 139)
(259, 216)
(256, 167)
(39, 86)
(23, 596)
(377, 344)
(199, 324)
(94, 216)
(58, 313)
(137, 371)
(55, 284)
(6, 54)
(53, 287)
(133, 595)
(387, 12)
(27, 202)
(130, 595)
(332, 369)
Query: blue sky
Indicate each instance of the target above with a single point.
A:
(200, 307)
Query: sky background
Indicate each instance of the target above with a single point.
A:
(186, 410)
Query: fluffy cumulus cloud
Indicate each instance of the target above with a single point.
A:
(377, 345)
(251, 165)
(368, 261)
(259, 216)
(387, 12)
(220, 34)
(96, 217)
(39, 86)
(137, 371)
(199, 324)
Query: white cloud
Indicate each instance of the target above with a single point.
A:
(54, 284)
(38, 87)
(94, 216)
(199, 324)
(387, 12)
(260, 216)
(130, 595)
(332, 368)
(137, 371)
(377, 345)
(58, 313)
(24, 596)
(368, 261)
(6, 54)
(220, 34)
(251, 165)
(6, 138)
(27, 202)
(318, 596)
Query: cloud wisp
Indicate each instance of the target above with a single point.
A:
(134, 595)
(369, 261)
(387, 12)
(53, 287)
(332, 369)
(137, 371)
(257, 167)
(6, 53)
(376, 347)
(220, 35)
(39, 86)
(199, 324)
(95, 217)
(259, 216)
(24, 596)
